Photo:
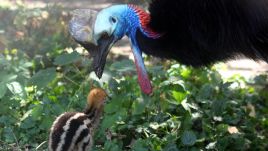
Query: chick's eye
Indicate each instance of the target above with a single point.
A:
(113, 20)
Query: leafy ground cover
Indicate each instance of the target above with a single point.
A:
(44, 73)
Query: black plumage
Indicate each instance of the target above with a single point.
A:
(202, 32)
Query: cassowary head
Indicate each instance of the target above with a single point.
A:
(111, 25)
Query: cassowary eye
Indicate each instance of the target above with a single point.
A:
(113, 20)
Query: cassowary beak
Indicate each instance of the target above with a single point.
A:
(81, 29)
(105, 43)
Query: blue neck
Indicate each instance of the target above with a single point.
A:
(132, 22)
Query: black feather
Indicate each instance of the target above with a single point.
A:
(202, 32)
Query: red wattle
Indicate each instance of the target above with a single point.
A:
(143, 80)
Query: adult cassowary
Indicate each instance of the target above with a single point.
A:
(193, 32)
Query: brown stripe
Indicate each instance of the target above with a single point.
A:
(57, 130)
(73, 127)
(83, 134)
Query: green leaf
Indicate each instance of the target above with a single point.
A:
(46, 122)
(206, 91)
(222, 128)
(7, 77)
(37, 112)
(111, 108)
(139, 106)
(188, 138)
(171, 147)
(186, 105)
(176, 90)
(139, 145)
(8, 135)
(111, 146)
(16, 88)
(65, 59)
(179, 96)
(3, 90)
(43, 77)
(114, 105)
(28, 123)
(157, 70)
(211, 145)
(26, 115)
(108, 121)
(113, 84)
(218, 107)
(186, 72)
(3, 61)
(123, 66)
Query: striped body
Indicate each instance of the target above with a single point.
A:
(71, 131)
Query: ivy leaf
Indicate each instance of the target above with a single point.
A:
(188, 138)
(65, 59)
(43, 77)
